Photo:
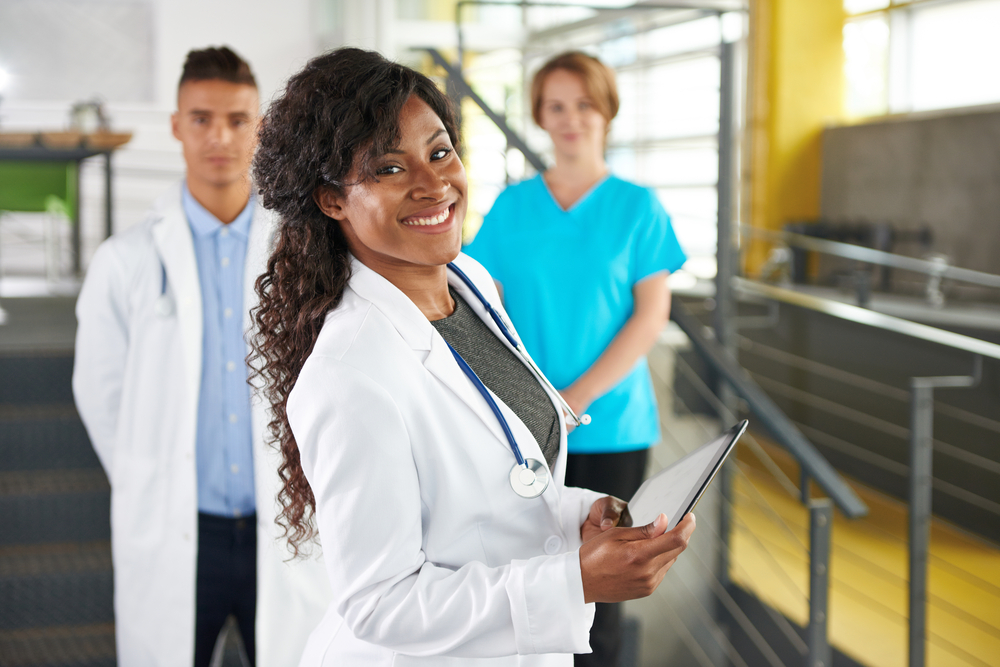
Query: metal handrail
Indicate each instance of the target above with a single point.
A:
(773, 419)
(879, 257)
(868, 317)
(701, 9)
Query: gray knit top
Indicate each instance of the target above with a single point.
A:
(500, 369)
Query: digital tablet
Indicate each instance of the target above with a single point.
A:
(676, 489)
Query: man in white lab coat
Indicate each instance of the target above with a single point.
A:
(161, 384)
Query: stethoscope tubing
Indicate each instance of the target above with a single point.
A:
(471, 374)
(498, 320)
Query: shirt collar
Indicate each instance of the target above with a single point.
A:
(205, 224)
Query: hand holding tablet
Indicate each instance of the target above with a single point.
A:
(676, 489)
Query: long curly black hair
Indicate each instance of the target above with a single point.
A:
(334, 117)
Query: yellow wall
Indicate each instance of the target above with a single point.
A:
(796, 88)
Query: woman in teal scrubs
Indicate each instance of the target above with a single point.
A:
(582, 257)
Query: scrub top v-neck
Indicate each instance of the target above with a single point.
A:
(567, 277)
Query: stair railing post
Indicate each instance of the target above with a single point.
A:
(921, 460)
(921, 489)
(724, 317)
(817, 637)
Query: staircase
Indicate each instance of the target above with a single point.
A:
(56, 581)
(55, 550)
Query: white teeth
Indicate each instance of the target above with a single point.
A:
(436, 220)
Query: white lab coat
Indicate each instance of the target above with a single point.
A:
(432, 557)
(136, 382)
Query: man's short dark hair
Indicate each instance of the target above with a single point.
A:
(216, 62)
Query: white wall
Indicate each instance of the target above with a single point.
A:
(276, 38)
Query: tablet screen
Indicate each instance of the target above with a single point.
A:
(676, 489)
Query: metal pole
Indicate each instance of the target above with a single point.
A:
(817, 638)
(108, 197)
(921, 479)
(76, 221)
(723, 318)
(921, 459)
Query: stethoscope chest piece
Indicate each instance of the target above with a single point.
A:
(529, 480)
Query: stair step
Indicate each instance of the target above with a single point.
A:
(57, 558)
(35, 437)
(54, 506)
(55, 585)
(37, 378)
(91, 645)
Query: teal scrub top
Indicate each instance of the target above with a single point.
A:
(567, 280)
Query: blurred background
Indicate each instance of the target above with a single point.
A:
(832, 169)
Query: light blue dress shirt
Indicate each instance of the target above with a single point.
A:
(224, 445)
(567, 281)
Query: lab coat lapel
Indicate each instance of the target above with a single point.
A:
(441, 362)
(421, 335)
(175, 246)
(259, 245)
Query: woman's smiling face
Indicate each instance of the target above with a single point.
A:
(412, 215)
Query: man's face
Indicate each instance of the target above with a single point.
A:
(216, 123)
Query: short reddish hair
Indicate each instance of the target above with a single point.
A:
(598, 81)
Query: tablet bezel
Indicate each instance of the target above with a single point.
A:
(699, 489)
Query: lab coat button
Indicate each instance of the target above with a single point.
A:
(187, 537)
(553, 545)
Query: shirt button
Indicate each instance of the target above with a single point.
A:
(231, 366)
(228, 312)
(237, 514)
(232, 418)
(225, 231)
(235, 468)
(225, 262)
(553, 545)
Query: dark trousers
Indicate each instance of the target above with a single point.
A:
(618, 475)
(226, 582)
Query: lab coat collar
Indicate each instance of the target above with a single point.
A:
(420, 334)
(411, 324)
(174, 243)
(175, 246)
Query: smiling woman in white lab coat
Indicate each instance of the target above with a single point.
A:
(441, 547)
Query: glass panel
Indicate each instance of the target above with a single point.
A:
(411, 10)
(680, 166)
(866, 60)
(693, 216)
(859, 6)
(691, 36)
(955, 54)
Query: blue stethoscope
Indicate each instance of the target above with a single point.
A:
(529, 478)
(164, 305)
